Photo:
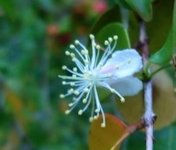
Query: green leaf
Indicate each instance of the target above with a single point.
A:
(157, 29)
(164, 55)
(114, 29)
(142, 7)
(174, 27)
(112, 15)
(122, 3)
(104, 138)
(165, 140)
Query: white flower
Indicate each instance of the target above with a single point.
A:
(111, 70)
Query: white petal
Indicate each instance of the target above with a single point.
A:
(127, 86)
(127, 62)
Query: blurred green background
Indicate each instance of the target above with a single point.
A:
(34, 35)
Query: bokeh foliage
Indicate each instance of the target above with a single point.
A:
(33, 38)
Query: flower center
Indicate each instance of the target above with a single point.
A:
(91, 76)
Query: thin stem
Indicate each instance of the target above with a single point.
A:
(148, 115)
(124, 136)
(129, 130)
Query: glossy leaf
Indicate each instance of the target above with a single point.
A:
(104, 138)
(164, 55)
(142, 7)
(114, 29)
(157, 29)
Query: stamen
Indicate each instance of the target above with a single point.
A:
(115, 37)
(97, 110)
(62, 95)
(103, 125)
(67, 53)
(110, 39)
(106, 43)
(67, 112)
(96, 117)
(76, 92)
(80, 112)
(64, 67)
(84, 100)
(72, 55)
(92, 36)
(122, 99)
(86, 76)
(76, 42)
(98, 47)
(70, 91)
(63, 82)
(91, 119)
(72, 46)
(70, 104)
(75, 69)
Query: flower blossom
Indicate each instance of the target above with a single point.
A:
(112, 70)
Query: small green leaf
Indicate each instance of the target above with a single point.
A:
(142, 7)
(114, 29)
(105, 138)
